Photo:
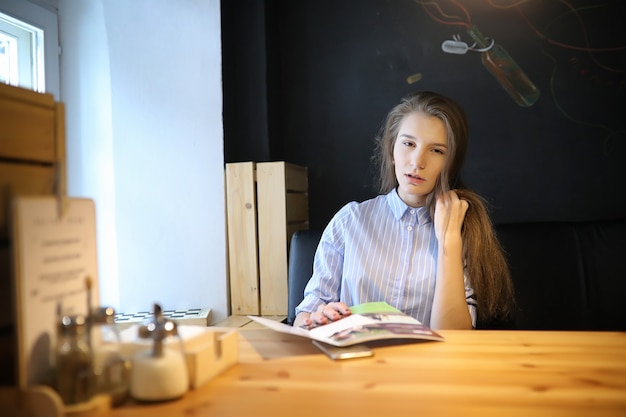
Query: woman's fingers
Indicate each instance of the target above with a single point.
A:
(340, 308)
(452, 200)
(329, 312)
(450, 213)
(318, 319)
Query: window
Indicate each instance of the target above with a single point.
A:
(21, 54)
(29, 46)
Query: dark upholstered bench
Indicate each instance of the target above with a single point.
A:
(567, 276)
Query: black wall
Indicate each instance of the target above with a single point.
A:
(309, 82)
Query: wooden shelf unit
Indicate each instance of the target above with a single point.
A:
(32, 162)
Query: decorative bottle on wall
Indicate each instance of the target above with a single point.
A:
(510, 76)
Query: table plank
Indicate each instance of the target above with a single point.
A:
(233, 321)
(471, 373)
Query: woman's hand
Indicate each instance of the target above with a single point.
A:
(450, 309)
(450, 213)
(326, 313)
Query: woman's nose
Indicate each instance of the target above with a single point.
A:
(419, 159)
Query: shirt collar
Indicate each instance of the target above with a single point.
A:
(399, 208)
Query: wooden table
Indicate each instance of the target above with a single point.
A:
(471, 373)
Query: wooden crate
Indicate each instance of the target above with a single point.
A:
(32, 162)
(266, 203)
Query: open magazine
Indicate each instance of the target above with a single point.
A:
(368, 322)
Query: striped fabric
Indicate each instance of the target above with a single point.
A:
(378, 250)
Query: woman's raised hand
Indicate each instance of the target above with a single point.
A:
(450, 213)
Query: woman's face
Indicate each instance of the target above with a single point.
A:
(419, 154)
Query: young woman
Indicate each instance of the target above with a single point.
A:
(426, 245)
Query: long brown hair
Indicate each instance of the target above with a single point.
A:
(484, 258)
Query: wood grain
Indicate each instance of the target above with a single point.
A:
(471, 373)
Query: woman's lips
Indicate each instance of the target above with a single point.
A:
(415, 179)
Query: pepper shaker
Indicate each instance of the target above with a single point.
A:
(74, 361)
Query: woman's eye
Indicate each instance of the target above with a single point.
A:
(439, 151)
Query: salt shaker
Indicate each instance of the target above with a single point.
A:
(159, 373)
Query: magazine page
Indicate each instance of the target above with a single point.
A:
(368, 322)
(281, 327)
(373, 325)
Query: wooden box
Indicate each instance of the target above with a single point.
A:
(266, 203)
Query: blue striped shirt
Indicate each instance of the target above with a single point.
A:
(378, 250)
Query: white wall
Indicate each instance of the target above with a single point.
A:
(141, 81)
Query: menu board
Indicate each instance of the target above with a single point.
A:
(54, 258)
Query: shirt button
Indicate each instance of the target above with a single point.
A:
(412, 211)
(409, 228)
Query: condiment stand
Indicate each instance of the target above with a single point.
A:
(206, 355)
